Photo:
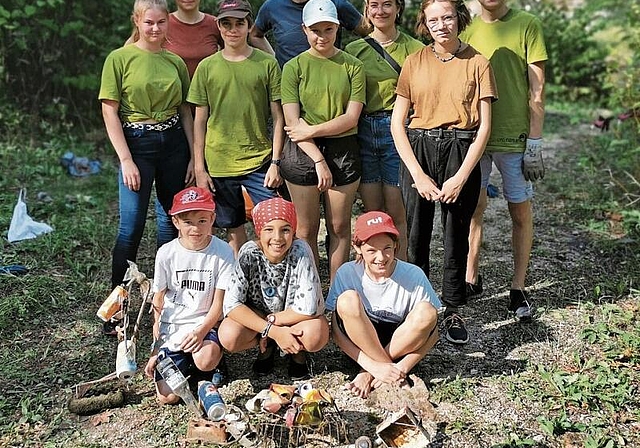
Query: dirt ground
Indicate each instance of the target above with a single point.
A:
(499, 348)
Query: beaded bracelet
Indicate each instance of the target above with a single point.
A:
(319, 161)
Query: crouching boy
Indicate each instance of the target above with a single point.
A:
(191, 275)
(384, 309)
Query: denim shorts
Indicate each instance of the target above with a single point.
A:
(184, 360)
(380, 159)
(514, 186)
(230, 209)
(342, 155)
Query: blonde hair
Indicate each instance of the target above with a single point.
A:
(464, 17)
(139, 8)
(365, 17)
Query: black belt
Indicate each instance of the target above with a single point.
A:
(439, 133)
(379, 113)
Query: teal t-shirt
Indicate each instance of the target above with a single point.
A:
(147, 85)
(381, 77)
(238, 94)
(323, 87)
(510, 44)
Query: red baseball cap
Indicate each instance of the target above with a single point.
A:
(372, 224)
(192, 199)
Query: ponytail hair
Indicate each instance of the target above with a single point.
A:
(139, 8)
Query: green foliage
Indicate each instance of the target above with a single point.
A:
(52, 52)
(589, 394)
(576, 68)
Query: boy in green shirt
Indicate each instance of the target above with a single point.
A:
(235, 91)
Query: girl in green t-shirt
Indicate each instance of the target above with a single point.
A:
(323, 90)
(380, 184)
(143, 94)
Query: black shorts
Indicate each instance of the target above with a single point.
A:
(384, 330)
(342, 155)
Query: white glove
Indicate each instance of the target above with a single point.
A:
(532, 164)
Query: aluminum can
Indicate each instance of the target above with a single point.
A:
(112, 304)
(211, 401)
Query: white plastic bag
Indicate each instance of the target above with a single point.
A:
(22, 226)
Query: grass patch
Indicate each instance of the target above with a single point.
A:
(586, 393)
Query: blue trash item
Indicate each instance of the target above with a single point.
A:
(492, 191)
(14, 269)
(80, 166)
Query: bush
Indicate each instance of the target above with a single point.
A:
(576, 69)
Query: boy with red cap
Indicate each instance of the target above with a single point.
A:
(385, 310)
(274, 296)
(191, 275)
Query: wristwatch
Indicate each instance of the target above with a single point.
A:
(276, 162)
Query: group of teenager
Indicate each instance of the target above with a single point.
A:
(199, 101)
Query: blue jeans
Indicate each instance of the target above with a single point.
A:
(162, 158)
(380, 159)
(440, 159)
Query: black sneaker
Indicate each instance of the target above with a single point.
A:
(299, 371)
(520, 304)
(474, 291)
(455, 330)
(263, 365)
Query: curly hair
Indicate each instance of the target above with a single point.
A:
(464, 17)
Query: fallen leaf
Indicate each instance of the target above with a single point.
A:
(99, 419)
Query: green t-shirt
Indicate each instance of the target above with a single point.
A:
(510, 44)
(381, 77)
(323, 87)
(238, 94)
(147, 85)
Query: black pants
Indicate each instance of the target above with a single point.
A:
(440, 159)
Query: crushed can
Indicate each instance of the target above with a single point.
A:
(112, 303)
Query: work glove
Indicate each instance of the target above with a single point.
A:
(532, 164)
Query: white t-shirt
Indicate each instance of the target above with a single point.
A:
(390, 300)
(261, 285)
(190, 278)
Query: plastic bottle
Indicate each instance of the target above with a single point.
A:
(211, 400)
(177, 382)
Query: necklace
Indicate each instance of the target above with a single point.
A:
(453, 55)
(387, 42)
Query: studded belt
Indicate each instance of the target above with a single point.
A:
(159, 127)
(439, 133)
